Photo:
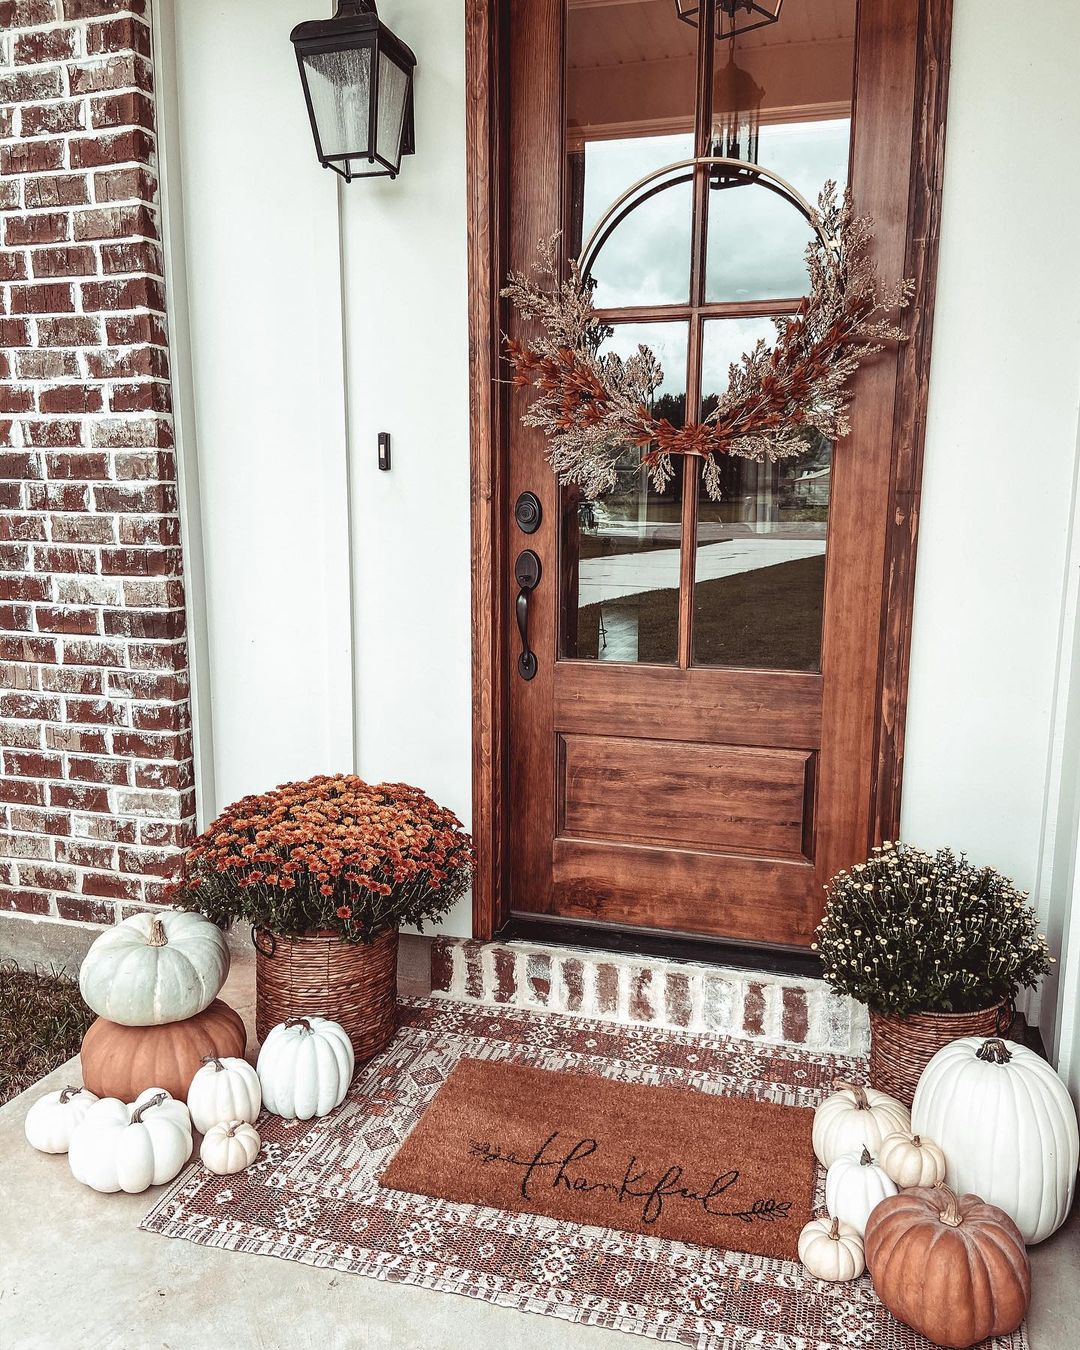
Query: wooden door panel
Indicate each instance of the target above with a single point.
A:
(728, 707)
(741, 898)
(688, 799)
(717, 797)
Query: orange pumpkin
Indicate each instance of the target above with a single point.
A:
(952, 1267)
(119, 1061)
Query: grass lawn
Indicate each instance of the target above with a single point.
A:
(767, 619)
(42, 1023)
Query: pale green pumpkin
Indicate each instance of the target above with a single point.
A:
(153, 969)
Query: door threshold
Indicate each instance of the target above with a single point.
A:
(773, 960)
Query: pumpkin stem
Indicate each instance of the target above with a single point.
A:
(859, 1093)
(213, 1059)
(158, 937)
(916, 1141)
(951, 1213)
(866, 1158)
(156, 1100)
(994, 1051)
(299, 1022)
(67, 1093)
(834, 1230)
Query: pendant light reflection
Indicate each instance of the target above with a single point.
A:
(732, 16)
(736, 120)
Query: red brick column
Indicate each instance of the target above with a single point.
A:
(96, 790)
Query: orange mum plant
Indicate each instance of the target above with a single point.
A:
(334, 853)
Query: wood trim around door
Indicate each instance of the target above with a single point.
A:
(486, 23)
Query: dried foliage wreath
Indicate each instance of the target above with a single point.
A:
(594, 405)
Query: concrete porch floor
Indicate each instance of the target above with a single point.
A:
(74, 1268)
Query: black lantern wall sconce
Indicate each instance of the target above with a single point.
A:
(357, 77)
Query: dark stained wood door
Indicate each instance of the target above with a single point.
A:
(700, 749)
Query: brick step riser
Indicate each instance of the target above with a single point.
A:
(629, 991)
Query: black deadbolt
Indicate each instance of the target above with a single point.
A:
(528, 512)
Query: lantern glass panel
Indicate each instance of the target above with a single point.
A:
(339, 84)
(393, 94)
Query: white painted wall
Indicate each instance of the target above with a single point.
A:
(989, 765)
(260, 238)
(404, 248)
(336, 596)
(985, 753)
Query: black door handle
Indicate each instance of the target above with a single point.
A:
(527, 573)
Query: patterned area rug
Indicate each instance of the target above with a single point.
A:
(314, 1196)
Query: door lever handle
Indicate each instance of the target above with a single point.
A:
(527, 573)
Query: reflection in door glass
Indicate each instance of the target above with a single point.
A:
(759, 573)
(757, 240)
(630, 101)
(621, 553)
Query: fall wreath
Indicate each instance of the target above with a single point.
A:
(593, 405)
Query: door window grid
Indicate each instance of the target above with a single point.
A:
(696, 313)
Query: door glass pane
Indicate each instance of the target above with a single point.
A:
(799, 72)
(759, 574)
(630, 101)
(621, 553)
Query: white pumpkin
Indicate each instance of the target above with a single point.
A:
(155, 968)
(118, 1147)
(51, 1119)
(1007, 1126)
(831, 1249)
(912, 1160)
(305, 1067)
(854, 1184)
(222, 1090)
(854, 1118)
(230, 1146)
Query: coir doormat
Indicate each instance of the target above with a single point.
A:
(719, 1171)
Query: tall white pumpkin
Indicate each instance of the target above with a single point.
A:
(224, 1090)
(1007, 1126)
(305, 1067)
(155, 968)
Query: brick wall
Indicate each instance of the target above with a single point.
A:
(96, 789)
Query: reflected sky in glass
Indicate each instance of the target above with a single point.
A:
(756, 239)
(668, 343)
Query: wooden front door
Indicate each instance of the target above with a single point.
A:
(712, 730)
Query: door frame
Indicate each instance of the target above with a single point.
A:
(915, 43)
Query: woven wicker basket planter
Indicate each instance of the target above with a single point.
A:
(319, 975)
(901, 1047)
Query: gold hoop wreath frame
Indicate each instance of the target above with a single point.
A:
(595, 406)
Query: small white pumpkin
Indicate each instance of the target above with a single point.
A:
(222, 1090)
(118, 1147)
(854, 1184)
(155, 968)
(831, 1249)
(854, 1118)
(230, 1146)
(305, 1067)
(51, 1119)
(1007, 1126)
(911, 1160)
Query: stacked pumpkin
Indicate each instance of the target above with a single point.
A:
(938, 1204)
(153, 980)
